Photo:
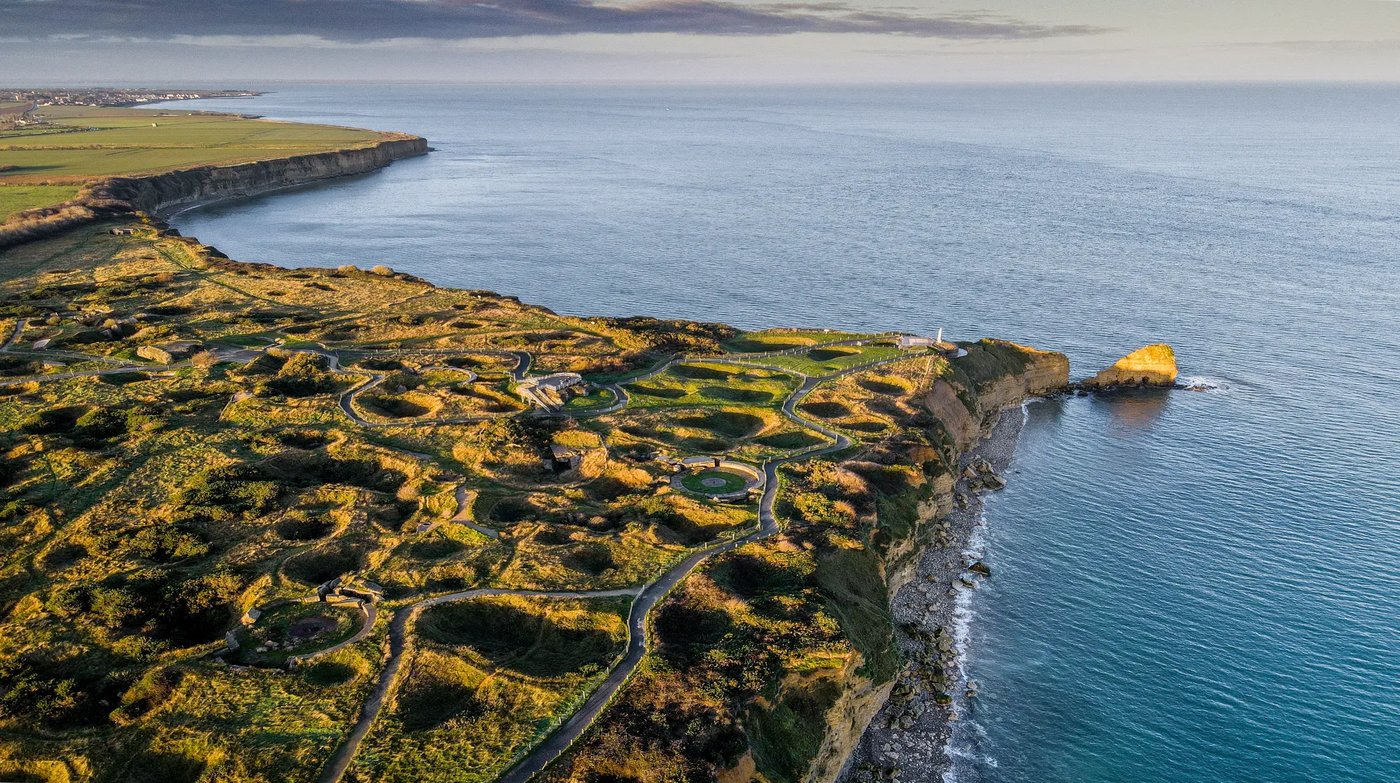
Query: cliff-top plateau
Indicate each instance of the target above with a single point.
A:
(267, 524)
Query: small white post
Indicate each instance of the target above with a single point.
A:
(939, 338)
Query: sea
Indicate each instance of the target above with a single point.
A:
(1188, 586)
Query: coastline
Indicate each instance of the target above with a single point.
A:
(910, 736)
(181, 189)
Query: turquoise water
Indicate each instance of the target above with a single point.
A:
(1188, 586)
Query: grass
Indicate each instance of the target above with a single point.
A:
(141, 518)
(826, 361)
(781, 339)
(486, 679)
(595, 398)
(97, 142)
(787, 737)
(725, 481)
(17, 198)
(700, 383)
(295, 629)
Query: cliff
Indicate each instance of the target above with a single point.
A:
(117, 196)
(1152, 365)
(965, 401)
(994, 375)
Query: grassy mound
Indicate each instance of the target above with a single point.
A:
(300, 526)
(867, 426)
(438, 689)
(657, 391)
(731, 394)
(886, 385)
(406, 406)
(435, 548)
(790, 440)
(759, 342)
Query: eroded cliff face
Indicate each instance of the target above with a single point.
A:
(994, 376)
(860, 700)
(1043, 372)
(118, 196)
(163, 192)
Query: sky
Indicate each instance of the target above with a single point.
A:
(52, 42)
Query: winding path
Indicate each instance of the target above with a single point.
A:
(646, 600)
(14, 336)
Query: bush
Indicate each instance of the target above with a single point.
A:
(303, 375)
(235, 490)
(197, 610)
(165, 543)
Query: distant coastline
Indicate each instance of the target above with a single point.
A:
(102, 197)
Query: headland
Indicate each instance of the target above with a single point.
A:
(342, 524)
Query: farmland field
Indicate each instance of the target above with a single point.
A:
(18, 198)
(86, 142)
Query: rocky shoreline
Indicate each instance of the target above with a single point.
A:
(907, 739)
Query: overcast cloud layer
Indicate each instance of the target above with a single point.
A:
(696, 41)
(354, 21)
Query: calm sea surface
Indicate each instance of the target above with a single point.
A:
(1188, 586)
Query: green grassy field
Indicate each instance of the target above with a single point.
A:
(87, 142)
(712, 384)
(724, 482)
(825, 361)
(595, 398)
(18, 198)
(145, 512)
(781, 339)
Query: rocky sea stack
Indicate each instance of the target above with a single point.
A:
(1152, 365)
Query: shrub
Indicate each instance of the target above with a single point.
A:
(303, 375)
(164, 543)
(198, 609)
(225, 492)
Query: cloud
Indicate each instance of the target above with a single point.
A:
(1374, 45)
(362, 21)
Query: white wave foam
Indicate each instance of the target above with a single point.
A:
(1205, 383)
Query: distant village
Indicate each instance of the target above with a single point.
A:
(19, 108)
(110, 96)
